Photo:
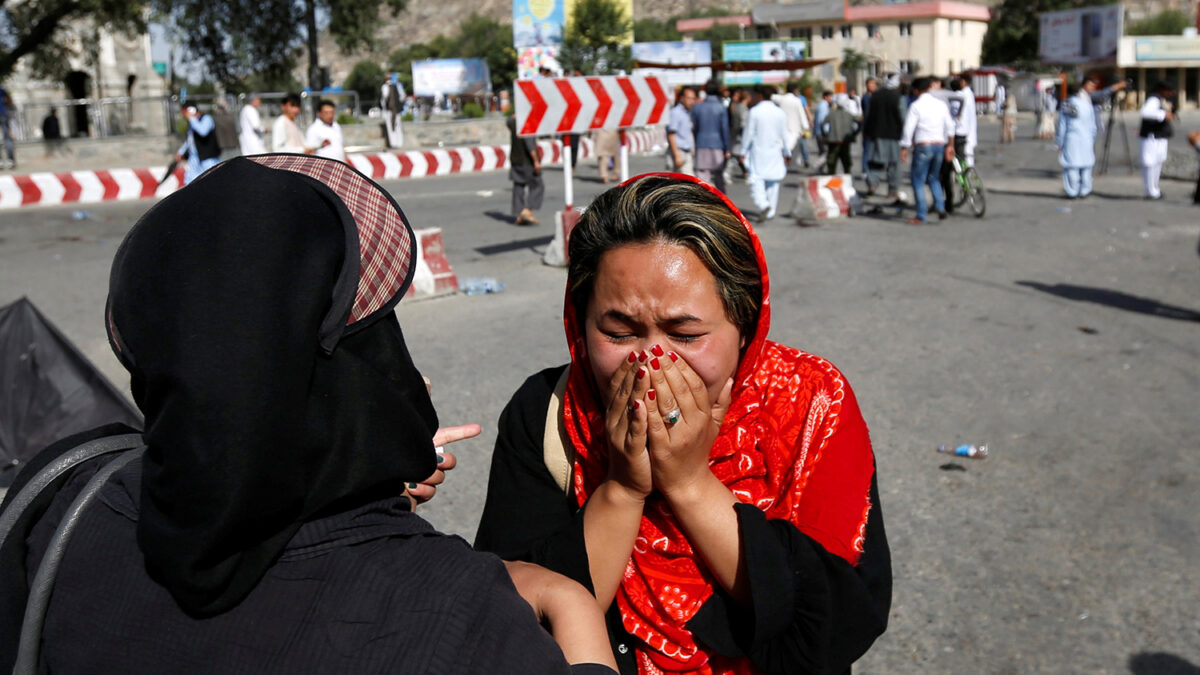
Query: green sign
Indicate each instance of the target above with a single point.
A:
(160, 67)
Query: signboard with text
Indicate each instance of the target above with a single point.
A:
(453, 77)
(761, 50)
(1085, 35)
(675, 52)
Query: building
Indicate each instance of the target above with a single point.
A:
(126, 93)
(918, 38)
(1147, 59)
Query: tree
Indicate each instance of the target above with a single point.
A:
(365, 78)
(490, 40)
(47, 31)
(653, 30)
(235, 39)
(593, 42)
(1166, 22)
(1012, 35)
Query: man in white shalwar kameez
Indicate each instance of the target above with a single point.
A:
(765, 144)
(1155, 130)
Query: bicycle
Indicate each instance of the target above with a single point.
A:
(968, 187)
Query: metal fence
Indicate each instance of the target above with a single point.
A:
(95, 117)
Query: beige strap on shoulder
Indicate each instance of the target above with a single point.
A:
(557, 451)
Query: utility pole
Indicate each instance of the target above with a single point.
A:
(310, 22)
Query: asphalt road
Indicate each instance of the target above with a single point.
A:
(1068, 340)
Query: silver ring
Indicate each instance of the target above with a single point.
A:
(673, 416)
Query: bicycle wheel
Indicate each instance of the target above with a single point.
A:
(975, 192)
(959, 189)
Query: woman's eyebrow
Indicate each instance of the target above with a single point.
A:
(672, 320)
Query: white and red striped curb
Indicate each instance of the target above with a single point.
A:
(90, 187)
(571, 105)
(830, 195)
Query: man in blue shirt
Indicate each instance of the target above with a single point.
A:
(680, 140)
(710, 120)
(819, 116)
(5, 106)
(200, 149)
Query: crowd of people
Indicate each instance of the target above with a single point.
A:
(203, 147)
(762, 133)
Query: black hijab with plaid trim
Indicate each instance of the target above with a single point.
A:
(253, 310)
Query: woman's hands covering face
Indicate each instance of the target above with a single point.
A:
(679, 450)
(625, 422)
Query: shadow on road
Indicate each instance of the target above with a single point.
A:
(1160, 663)
(499, 215)
(1117, 299)
(518, 245)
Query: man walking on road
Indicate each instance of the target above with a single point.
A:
(250, 139)
(767, 151)
(680, 138)
(927, 130)
(884, 125)
(711, 122)
(525, 172)
(325, 134)
(819, 115)
(797, 121)
(200, 149)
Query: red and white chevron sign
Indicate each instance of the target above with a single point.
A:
(572, 105)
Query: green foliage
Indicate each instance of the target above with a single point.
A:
(593, 40)
(346, 118)
(472, 110)
(365, 78)
(1012, 36)
(49, 33)
(854, 61)
(1166, 22)
(238, 39)
(653, 30)
(406, 117)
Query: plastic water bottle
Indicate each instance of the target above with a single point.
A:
(480, 286)
(81, 215)
(973, 451)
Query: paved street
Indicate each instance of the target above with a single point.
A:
(1066, 335)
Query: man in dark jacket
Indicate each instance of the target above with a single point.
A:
(525, 172)
(883, 126)
(710, 122)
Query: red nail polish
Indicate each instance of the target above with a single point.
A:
(656, 350)
(654, 363)
(651, 394)
(632, 357)
(642, 357)
(674, 356)
(641, 373)
(637, 405)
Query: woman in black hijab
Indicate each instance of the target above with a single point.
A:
(266, 527)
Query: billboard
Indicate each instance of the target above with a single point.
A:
(761, 50)
(675, 52)
(538, 23)
(451, 77)
(1080, 35)
(530, 59)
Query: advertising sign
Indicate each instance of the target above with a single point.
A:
(451, 77)
(1080, 35)
(675, 52)
(538, 23)
(1167, 48)
(761, 50)
(530, 59)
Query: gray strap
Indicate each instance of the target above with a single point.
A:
(77, 455)
(29, 652)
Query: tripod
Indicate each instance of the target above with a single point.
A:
(1115, 117)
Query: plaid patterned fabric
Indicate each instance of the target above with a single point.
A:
(386, 244)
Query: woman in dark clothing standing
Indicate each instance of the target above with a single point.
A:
(714, 489)
(268, 527)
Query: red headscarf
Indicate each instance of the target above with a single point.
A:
(793, 444)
